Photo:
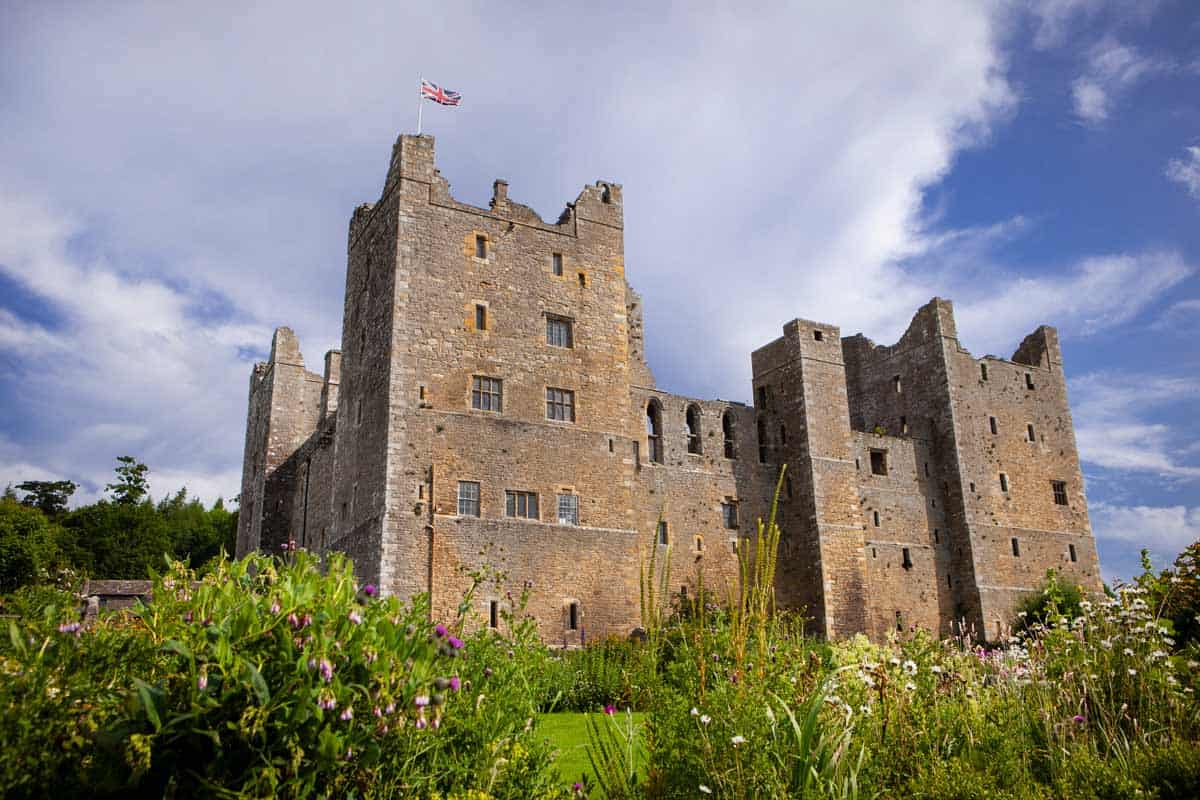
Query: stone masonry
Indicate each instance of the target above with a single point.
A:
(491, 404)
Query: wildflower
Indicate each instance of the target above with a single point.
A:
(935, 669)
(1079, 719)
(455, 643)
(910, 686)
(421, 700)
(910, 667)
(326, 669)
(439, 630)
(390, 709)
(895, 662)
(354, 617)
(610, 709)
(377, 711)
(737, 740)
(705, 719)
(326, 701)
(455, 683)
(369, 590)
(421, 723)
(1132, 671)
(704, 789)
(865, 710)
(347, 714)
(293, 620)
(274, 607)
(70, 627)
(695, 712)
(1158, 654)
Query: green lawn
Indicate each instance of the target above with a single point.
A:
(567, 731)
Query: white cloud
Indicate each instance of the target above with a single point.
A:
(1111, 429)
(1112, 69)
(1164, 530)
(1181, 317)
(1186, 171)
(1056, 20)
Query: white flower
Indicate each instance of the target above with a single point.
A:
(864, 709)
(1158, 654)
(704, 789)
(1128, 652)
(895, 662)
(935, 669)
(695, 712)
(910, 686)
(1132, 671)
(705, 719)
(739, 739)
(910, 667)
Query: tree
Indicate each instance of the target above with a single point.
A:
(49, 496)
(131, 486)
(117, 540)
(27, 547)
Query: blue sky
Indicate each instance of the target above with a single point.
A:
(175, 181)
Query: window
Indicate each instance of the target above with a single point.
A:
(906, 558)
(874, 554)
(486, 393)
(879, 462)
(556, 263)
(573, 617)
(494, 614)
(818, 335)
(1016, 547)
(899, 622)
(729, 513)
(480, 246)
(699, 544)
(875, 514)
(480, 317)
(896, 384)
(358, 412)
(787, 486)
(1060, 492)
(994, 427)
(904, 424)
(1003, 482)
(783, 434)
(937, 537)
(568, 509)
(468, 499)
(558, 332)
(560, 404)
(762, 398)
(727, 432)
(583, 280)
(762, 442)
(983, 372)
(1028, 380)
(654, 432)
(610, 445)
(1071, 552)
(691, 425)
(520, 504)
(663, 537)
(733, 546)
(972, 486)
(1032, 434)
(949, 583)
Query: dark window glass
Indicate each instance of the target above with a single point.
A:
(486, 394)
(729, 514)
(663, 537)
(560, 404)
(559, 332)
(521, 504)
(557, 263)
(481, 318)
(480, 246)
(654, 432)
(727, 432)
(1060, 492)
(468, 499)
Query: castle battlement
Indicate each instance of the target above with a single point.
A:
(491, 402)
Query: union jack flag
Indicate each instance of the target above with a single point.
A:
(445, 97)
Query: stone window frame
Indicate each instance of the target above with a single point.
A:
(1016, 547)
(1005, 485)
(879, 461)
(698, 544)
(728, 428)
(481, 243)
(560, 404)
(469, 506)
(1030, 433)
(906, 556)
(654, 432)
(1072, 553)
(1060, 493)
(994, 426)
(662, 533)
(729, 514)
(691, 430)
(557, 265)
(569, 500)
(482, 314)
(573, 615)
(560, 331)
(514, 499)
(493, 613)
(485, 386)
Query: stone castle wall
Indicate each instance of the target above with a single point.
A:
(371, 459)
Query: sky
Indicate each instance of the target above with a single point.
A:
(176, 180)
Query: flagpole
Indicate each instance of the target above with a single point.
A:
(420, 102)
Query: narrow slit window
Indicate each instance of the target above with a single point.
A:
(972, 486)
(664, 537)
(556, 263)
(1071, 551)
(573, 617)
(481, 320)
(875, 514)
(926, 469)
(983, 372)
(481, 246)
(762, 398)
(1028, 380)
(727, 432)
(937, 536)
(906, 558)
(762, 441)
(897, 385)
(1003, 482)
(699, 541)
(583, 280)
(787, 486)
(783, 434)
(995, 428)
(904, 424)
(1016, 547)
(691, 424)
(1030, 431)
(493, 614)
(949, 582)
(899, 622)
(654, 432)
(818, 335)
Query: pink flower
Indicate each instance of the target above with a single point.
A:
(610, 709)
(369, 590)
(347, 714)
(455, 683)
(274, 608)
(439, 630)
(354, 617)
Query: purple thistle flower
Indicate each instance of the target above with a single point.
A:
(455, 643)
(439, 630)
(369, 590)
(455, 683)
(1079, 719)
(202, 681)
(610, 709)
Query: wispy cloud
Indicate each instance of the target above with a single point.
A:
(1164, 530)
(1112, 69)
(1056, 20)
(1186, 171)
(1110, 413)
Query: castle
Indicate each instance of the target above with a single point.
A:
(491, 403)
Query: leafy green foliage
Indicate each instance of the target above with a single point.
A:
(50, 497)
(131, 485)
(27, 545)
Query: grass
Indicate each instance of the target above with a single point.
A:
(567, 731)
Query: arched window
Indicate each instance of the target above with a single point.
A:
(654, 442)
(727, 430)
(692, 428)
(762, 442)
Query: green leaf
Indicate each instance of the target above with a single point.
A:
(146, 695)
(14, 634)
(176, 646)
(258, 684)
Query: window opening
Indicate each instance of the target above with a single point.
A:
(583, 280)
(907, 559)
(1016, 547)
(480, 246)
(1030, 431)
(899, 622)
(783, 434)
(493, 614)
(1003, 482)
(1060, 492)
(610, 445)
(468, 498)
(480, 317)
(556, 263)
(654, 432)
(762, 398)
(879, 462)
(560, 405)
(1071, 550)
(486, 394)
(762, 441)
(972, 486)
(727, 431)
(876, 517)
(983, 372)
(896, 384)
(559, 331)
(729, 514)
(994, 427)
(818, 335)
(787, 486)
(926, 469)
(949, 583)
(937, 537)
(1028, 380)
(904, 424)
(664, 538)
(520, 504)
(573, 617)
(568, 509)
(699, 544)
(691, 424)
